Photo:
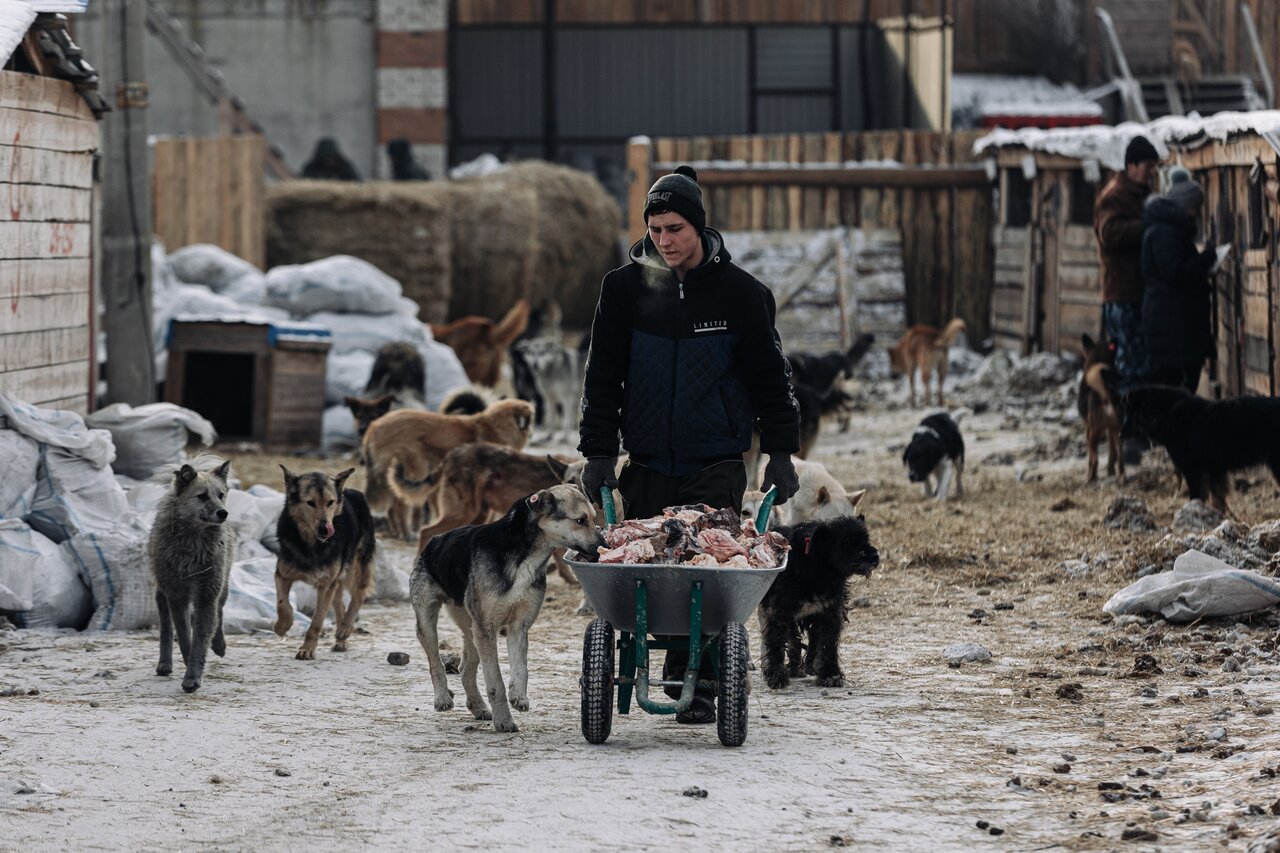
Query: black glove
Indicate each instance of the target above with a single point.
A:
(597, 473)
(779, 473)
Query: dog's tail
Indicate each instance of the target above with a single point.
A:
(408, 489)
(860, 348)
(951, 331)
(467, 400)
(960, 414)
(512, 324)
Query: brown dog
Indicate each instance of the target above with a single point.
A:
(326, 540)
(481, 344)
(1097, 404)
(402, 449)
(924, 348)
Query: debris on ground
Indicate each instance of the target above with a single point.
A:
(1196, 517)
(965, 653)
(1128, 512)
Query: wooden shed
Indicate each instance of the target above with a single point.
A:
(1045, 288)
(48, 136)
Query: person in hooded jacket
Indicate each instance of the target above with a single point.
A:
(684, 363)
(1176, 308)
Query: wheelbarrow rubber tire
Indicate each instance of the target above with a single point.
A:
(732, 686)
(597, 681)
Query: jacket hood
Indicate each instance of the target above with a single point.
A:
(1160, 210)
(644, 253)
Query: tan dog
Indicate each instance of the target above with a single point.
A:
(403, 449)
(1097, 403)
(924, 348)
(326, 540)
(481, 344)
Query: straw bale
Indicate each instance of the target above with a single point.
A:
(403, 229)
(493, 230)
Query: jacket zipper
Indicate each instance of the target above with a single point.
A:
(675, 360)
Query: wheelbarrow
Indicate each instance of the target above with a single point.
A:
(658, 606)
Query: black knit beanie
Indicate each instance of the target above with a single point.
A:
(1140, 150)
(679, 193)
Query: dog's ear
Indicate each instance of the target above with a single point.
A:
(558, 467)
(339, 480)
(183, 477)
(824, 496)
(856, 498)
(290, 478)
(382, 404)
(1087, 344)
(543, 502)
(223, 471)
(355, 404)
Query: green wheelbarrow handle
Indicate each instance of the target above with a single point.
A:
(762, 517)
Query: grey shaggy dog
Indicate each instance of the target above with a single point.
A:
(191, 550)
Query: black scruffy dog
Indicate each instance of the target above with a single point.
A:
(1207, 439)
(821, 371)
(937, 450)
(811, 596)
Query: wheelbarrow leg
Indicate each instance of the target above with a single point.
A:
(642, 653)
(626, 671)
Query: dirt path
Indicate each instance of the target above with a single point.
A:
(910, 756)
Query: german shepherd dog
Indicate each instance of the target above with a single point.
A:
(924, 348)
(191, 550)
(492, 578)
(1098, 404)
(480, 342)
(1208, 439)
(326, 540)
(544, 322)
(402, 449)
(936, 451)
(810, 600)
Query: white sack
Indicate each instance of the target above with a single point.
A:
(339, 283)
(19, 459)
(346, 374)
(39, 586)
(58, 428)
(149, 436)
(118, 571)
(251, 599)
(445, 373)
(73, 495)
(213, 266)
(338, 428)
(368, 332)
(1199, 586)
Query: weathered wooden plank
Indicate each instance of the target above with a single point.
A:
(47, 131)
(44, 239)
(1257, 315)
(32, 313)
(47, 382)
(47, 277)
(46, 346)
(37, 203)
(22, 165)
(639, 161)
(42, 95)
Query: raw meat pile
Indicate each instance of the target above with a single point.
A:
(694, 535)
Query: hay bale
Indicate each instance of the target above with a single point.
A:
(492, 237)
(576, 225)
(402, 229)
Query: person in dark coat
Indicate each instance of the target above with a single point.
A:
(403, 165)
(685, 362)
(328, 164)
(1176, 310)
(1118, 225)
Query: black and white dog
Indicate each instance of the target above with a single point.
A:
(492, 578)
(811, 598)
(937, 451)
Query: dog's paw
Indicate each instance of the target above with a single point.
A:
(219, 646)
(305, 653)
(507, 725)
(520, 703)
(340, 645)
(776, 680)
(190, 684)
(585, 608)
(164, 669)
(831, 681)
(283, 624)
(445, 703)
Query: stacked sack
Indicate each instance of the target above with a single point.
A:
(361, 306)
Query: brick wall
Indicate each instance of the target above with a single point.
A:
(412, 81)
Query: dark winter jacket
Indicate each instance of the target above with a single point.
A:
(1118, 225)
(1176, 308)
(683, 369)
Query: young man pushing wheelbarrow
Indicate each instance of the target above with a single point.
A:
(684, 363)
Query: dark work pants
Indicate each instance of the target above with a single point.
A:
(1184, 376)
(647, 493)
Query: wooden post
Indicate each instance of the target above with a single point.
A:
(841, 288)
(639, 172)
(126, 206)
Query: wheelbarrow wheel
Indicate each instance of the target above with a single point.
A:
(731, 719)
(597, 681)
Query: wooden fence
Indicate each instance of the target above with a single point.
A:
(46, 242)
(926, 185)
(210, 191)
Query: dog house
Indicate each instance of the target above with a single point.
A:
(254, 381)
(1045, 288)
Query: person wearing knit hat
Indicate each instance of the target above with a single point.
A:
(1118, 226)
(685, 365)
(1176, 307)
